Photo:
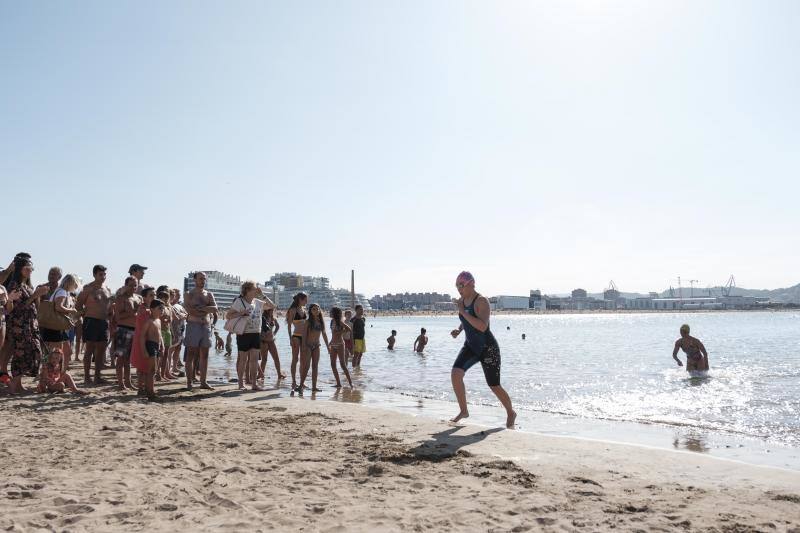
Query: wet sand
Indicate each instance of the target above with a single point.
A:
(227, 460)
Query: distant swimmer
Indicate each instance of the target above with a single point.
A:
(480, 346)
(391, 339)
(422, 340)
(696, 354)
(523, 336)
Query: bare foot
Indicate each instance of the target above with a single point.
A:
(256, 388)
(281, 376)
(459, 416)
(241, 386)
(315, 389)
(81, 392)
(206, 386)
(338, 385)
(511, 419)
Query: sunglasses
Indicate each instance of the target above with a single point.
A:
(460, 285)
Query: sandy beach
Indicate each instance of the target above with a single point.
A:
(226, 460)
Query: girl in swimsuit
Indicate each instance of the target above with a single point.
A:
(296, 326)
(269, 328)
(479, 346)
(163, 370)
(338, 329)
(53, 378)
(310, 355)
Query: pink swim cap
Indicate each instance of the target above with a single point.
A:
(466, 278)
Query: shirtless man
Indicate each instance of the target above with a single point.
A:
(696, 354)
(390, 340)
(199, 303)
(125, 307)
(422, 340)
(94, 303)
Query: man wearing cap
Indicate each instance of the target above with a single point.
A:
(94, 303)
(137, 271)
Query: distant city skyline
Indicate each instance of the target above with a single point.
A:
(537, 144)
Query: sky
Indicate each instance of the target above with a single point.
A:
(541, 145)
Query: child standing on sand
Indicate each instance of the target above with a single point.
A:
(138, 357)
(152, 346)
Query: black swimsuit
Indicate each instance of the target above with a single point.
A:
(479, 346)
(152, 348)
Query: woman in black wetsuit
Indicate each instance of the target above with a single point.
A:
(479, 346)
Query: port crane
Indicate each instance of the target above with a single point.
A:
(726, 290)
(691, 285)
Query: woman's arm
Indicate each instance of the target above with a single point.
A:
(289, 319)
(325, 336)
(277, 325)
(58, 304)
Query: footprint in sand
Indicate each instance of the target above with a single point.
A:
(585, 481)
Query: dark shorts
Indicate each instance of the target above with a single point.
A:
(53, 335)
(489, 359)
(248, 341)
(95, 330)
(153, 348)
(123, 341)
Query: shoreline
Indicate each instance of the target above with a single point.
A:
(229, 460)
(534, 312)
(738, 448)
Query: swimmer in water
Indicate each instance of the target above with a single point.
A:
(391, 339)
(696, 354)
(422, 340)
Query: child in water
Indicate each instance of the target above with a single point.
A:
(390, 340)
(53, 377)
(219, 343)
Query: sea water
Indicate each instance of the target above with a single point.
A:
(607, 376)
